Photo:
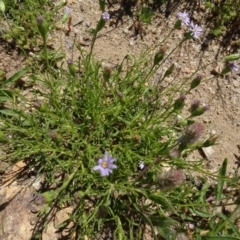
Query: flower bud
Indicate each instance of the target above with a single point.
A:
(37, 104)
(199, 111)
(230, 67)
(71, 67)
(232, 57)
(179, 103)
(188, 35)
(195, 105)
(159, 56)
(42, 27)
(210, 141)
(54, 136)
(66, 15)
(177, 24)
(191, 134)
(39, 199)
(195, 82)
(169, 71)
(107, 73)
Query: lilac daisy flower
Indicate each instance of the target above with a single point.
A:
(105, 165)
(68, 10)
(233, 66)
(184, 18)
(105, 16)
(196, 30)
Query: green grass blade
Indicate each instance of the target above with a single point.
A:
(221, 180)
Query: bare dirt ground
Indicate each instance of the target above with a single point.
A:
(122, 35)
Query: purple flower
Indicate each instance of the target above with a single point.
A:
(192, 134)
(68, 10)
(184, 18)
(196, 30)
(105, 16)
(105, 165)
(170, 179)
(233, 66)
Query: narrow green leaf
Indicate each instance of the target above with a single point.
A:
(201, 213)
(16, 76)
(5, 95)
(159, 199)
(3, 138)
(8, 112)
(162, 222)
(220, 180)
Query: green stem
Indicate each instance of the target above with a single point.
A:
(45, 52)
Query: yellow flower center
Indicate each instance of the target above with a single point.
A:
(105, 164)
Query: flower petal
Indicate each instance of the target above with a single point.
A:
(113, 166)
(113, 160)
(106, 156)
(98, 167)
(104, 172)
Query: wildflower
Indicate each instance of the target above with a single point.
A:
(170, 179)
(233, 66)
(105, 16)
(68, 10)
(192, 134)
(141, 165)
(105, 165)
(184, 18)
(196, 30)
